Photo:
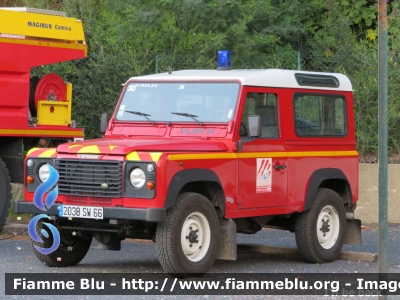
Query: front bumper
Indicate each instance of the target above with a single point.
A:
(119, 213)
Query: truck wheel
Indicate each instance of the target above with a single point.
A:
(5, 193)
(71, 251)
(320, 230)
(187, 241)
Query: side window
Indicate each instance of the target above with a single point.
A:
(320, 115)
(264, 105)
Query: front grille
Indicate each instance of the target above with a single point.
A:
(85, 178)
(81, 200)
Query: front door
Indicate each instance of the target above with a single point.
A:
(262, 160)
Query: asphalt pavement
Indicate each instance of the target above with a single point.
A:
(141, 257)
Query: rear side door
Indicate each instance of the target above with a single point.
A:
(262, 175)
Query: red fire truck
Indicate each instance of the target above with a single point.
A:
(34, 112)
(190, 158)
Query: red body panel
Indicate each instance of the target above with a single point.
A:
(20, 56)
(213, 147)
(16, 59)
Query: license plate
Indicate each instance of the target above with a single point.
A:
(89, 212)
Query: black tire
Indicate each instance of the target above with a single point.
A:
(5, 193)
(191, 212)
(80, 247)
(316, 239)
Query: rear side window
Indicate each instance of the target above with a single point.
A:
(320, 115)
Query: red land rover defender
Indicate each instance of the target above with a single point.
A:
(190, 158)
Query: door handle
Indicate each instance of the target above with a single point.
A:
(279, 167)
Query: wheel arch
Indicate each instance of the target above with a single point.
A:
(201, 181)
(330, 178)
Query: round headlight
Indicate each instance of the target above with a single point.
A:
(137, 177)
(44, 172)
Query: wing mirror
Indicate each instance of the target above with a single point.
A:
(103, 123)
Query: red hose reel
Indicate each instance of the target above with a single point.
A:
(50, 87)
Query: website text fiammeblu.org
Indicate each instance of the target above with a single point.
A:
(214, 284)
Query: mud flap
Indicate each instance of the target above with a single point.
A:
(227, 246)
(352, 235)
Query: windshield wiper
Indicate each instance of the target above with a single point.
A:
(141, 114)
(188, 115)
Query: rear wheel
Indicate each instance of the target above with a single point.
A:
(320, 230)
(5, 193)
(187, 241)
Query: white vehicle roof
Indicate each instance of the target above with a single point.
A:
(259, 77)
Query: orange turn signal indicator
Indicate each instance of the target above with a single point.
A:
(29, 179)
(150, 185)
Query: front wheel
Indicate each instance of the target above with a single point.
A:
(187, 241)
(320, 230)
(71, 251)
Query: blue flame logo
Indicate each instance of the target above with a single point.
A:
(49, 201)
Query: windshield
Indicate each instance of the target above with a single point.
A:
(179, 102)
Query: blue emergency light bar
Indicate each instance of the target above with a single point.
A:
(224, 60)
